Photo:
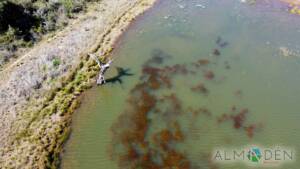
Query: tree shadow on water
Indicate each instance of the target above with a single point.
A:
(118, 78)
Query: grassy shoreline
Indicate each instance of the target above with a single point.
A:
(39, 140)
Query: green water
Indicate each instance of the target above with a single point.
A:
(250, 73)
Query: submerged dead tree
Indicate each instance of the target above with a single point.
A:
(103, 68)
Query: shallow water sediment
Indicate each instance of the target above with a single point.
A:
(204, 75)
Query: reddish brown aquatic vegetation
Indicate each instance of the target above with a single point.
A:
(133, 138)
(250, 130)
(132, 154)
(178, 134)
(205, 111)
(163, 75)
(202, 110)
(157, 77)
(176, 160)
(176, 69)
(209, 74)
(174, 101)
(239, 118)
(154, 83)
(203, 62)
(194, 112)
(170, 157)
(151, 70)
(163, 139)
(197, 65)
(166, 81)
(165, 136)
(149, 147)
(200, 88)
(239, 121)
(147, 162)
(223, 117)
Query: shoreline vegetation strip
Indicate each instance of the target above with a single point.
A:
(40, 142)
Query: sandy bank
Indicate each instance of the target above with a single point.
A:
(38, 92)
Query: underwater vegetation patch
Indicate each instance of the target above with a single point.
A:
(238, 118)
(150, 133)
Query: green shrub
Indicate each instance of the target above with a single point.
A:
(56, 62)
(9, 36)
(68, 5)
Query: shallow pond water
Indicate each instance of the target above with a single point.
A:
(195, 76)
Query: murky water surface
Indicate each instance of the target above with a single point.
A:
(193, 76)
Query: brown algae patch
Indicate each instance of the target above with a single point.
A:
(151, 133)
(239, 121)
(141, 145)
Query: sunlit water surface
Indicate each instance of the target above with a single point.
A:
(231, 88)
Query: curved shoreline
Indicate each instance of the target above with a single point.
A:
(35, 128)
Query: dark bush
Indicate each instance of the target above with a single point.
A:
(19, 18)
(23, 22)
